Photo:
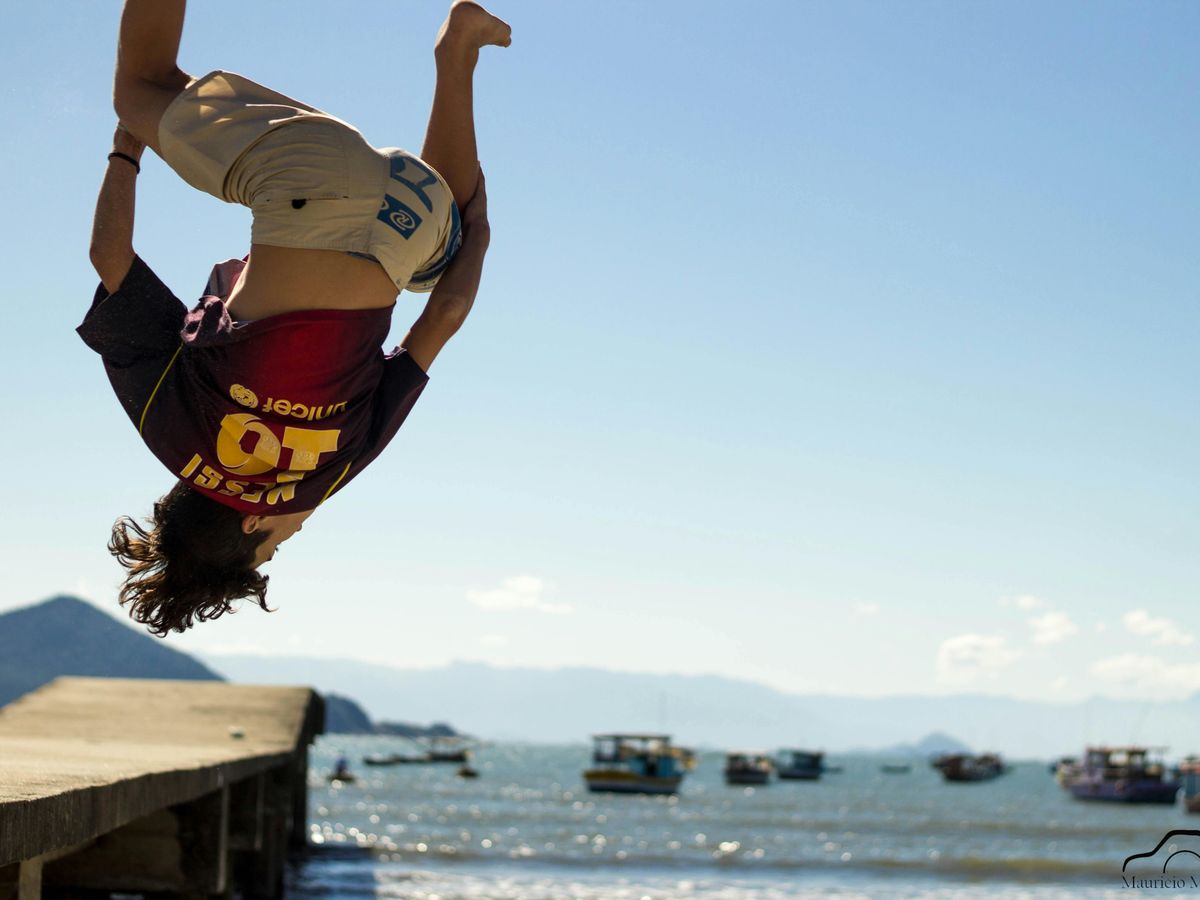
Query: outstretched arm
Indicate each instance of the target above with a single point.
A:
(112, 228)
(455, 292)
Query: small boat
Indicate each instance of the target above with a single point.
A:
(447, 749)
(467, 772)
(747, 768)
(1121, 775)
(1189, 784)
(965, 767)
(394, 759)
(635, 764)
(895, 768)
(341, 772)
(1062, 767)
(799, 765)
(460, 755)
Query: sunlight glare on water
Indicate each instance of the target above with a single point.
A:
(528, 828)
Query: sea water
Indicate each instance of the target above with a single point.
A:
(528, 828)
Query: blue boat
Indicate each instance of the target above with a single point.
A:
(636, 764)
(1121, 775)
(804, 765)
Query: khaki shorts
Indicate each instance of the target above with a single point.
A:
(310, 179)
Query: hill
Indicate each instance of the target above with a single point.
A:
(344, 716)
(66, 636)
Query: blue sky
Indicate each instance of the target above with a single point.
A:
(846, 346)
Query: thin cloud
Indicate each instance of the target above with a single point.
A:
(1148, 673)
(521, 592)
(1160, 631)
(969, 657)
(1052, 627)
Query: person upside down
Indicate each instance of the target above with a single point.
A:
(273, 393)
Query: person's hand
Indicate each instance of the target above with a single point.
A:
(125, 142)
(474, 215)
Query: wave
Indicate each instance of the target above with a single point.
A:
(672, 827)
(969, 867)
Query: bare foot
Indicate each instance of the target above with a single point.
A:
(469, 27)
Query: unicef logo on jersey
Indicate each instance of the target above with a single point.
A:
(243, 396)
(399, 217)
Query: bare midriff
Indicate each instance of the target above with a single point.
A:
(285, 279)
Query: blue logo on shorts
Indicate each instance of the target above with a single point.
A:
(398, 165)
(400, 217)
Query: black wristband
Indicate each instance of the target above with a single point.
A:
(129, 159)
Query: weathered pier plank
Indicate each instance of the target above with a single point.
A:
(99, 776)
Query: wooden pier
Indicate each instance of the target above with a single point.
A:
(185, 788)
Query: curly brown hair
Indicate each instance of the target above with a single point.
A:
(188, 564)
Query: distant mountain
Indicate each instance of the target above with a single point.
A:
(409, 730)
(66, 636)
(344, 716)
(930, 745)
(569, 704)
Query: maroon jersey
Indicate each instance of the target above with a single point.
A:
(268, 417)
